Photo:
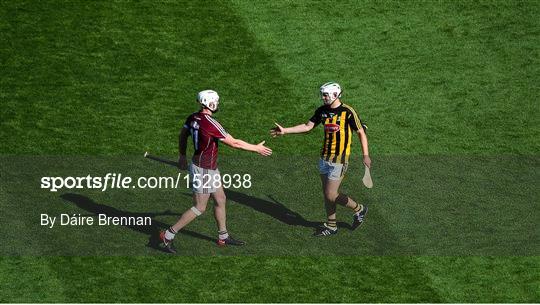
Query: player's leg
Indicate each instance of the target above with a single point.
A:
(335, 177)
(330, 191)
(220, 214)
(330, 226)
(329, 204)
(348, 202)
(200, 201)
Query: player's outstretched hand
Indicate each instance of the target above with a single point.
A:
(277, 131)
(263, 150)
(182, 163)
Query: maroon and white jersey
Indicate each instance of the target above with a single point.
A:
(206, 133)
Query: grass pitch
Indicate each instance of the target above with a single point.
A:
(449, 91)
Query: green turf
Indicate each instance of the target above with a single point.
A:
(270, 279)
(446, 87)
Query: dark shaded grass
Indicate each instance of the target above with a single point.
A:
(121, 77)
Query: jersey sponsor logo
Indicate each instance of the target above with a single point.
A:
(331, 127)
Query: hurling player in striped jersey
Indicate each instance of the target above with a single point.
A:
(340, 122)
(206, 133)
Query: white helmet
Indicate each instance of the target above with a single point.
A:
(209, 99)
(333, 90)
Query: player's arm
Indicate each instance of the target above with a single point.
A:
(240, 144)
(356, 124)
(365, 147)
(182, 146)
(302, 128)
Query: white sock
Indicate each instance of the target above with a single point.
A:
(223, 234)
(169, 234)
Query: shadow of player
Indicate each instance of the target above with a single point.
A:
(152, 231)
(274, 208)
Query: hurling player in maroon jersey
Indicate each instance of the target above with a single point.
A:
(206, 133)
(340, 123)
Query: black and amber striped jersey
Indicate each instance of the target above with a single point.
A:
(340, 124)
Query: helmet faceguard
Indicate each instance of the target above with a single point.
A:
(332, 91)
(209, 99)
